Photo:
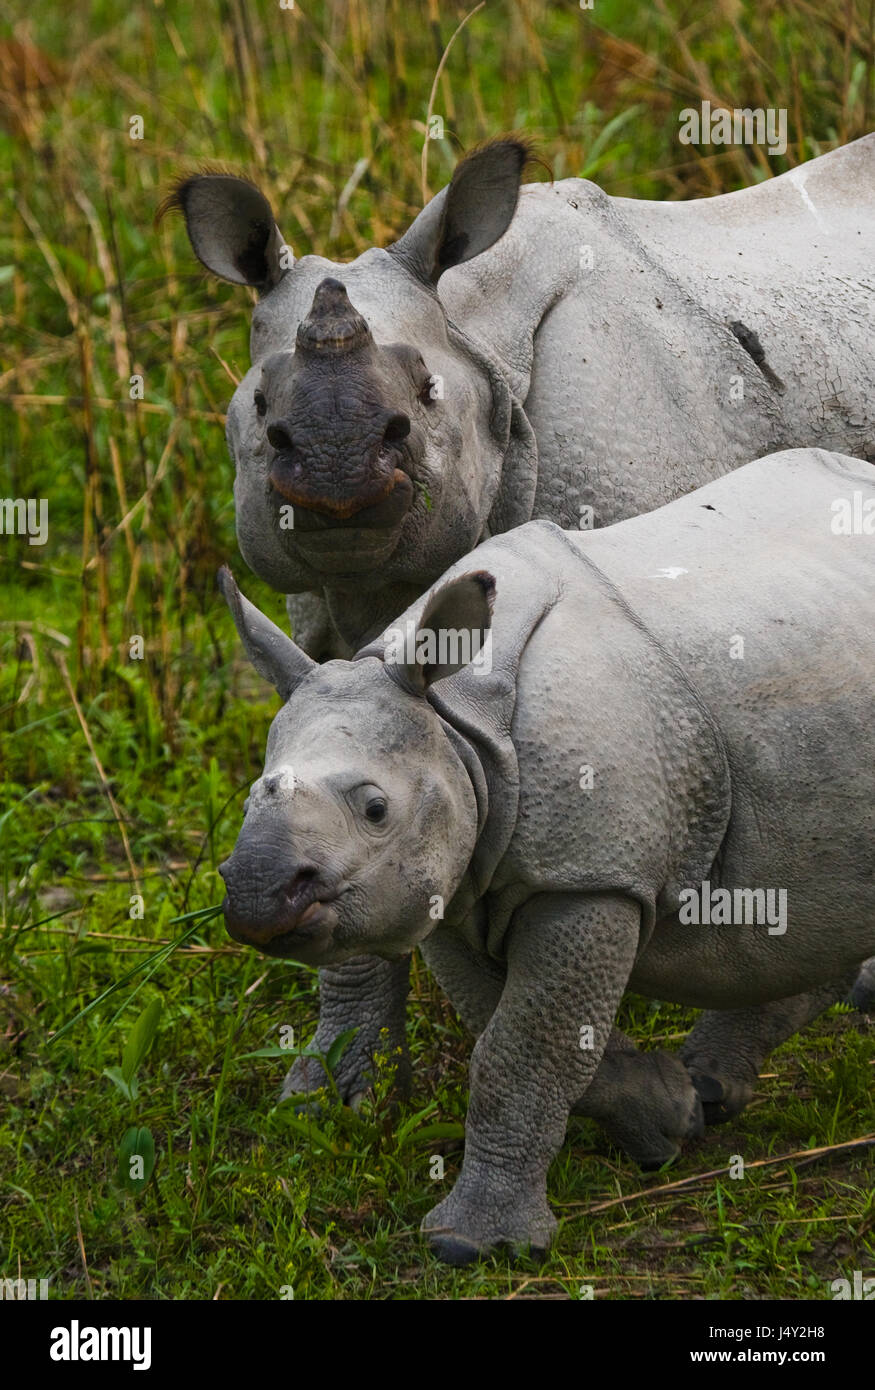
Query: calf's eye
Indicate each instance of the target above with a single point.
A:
(260, 402)
(375, 811)
(369, 801)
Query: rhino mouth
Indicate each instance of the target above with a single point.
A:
(315, 528)
(304, 926)
(307, 939)
(388, 510)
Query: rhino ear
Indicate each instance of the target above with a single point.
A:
(272, 653)
(468, 216)
(451, 634)
(231, 228)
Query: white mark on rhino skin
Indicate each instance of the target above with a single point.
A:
(281, 779)
(670, 572)
(797, 178)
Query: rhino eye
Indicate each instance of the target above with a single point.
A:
(260, 402)
(369, 802)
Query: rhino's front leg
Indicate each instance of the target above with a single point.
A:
(364, 993)
(313, 629)
(569, 959)
(644, 1101)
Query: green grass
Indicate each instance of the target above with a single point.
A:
(242, 1201)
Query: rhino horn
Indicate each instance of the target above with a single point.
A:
(333, 325)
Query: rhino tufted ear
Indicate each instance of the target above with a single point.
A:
(274, 655)
(231, 228)
(469, 215)
(453, 632)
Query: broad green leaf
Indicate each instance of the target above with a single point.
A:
(338, 1047)
(447, 1130)
(136, 1158)
(306, 1128)
(404, 1130)
(276, 1051)
(129, 1089)
(140, 1039)
(603, 140)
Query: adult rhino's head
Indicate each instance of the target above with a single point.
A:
(366, 434)
(365, 818)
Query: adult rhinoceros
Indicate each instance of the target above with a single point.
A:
(709, 668)
(530, 352)
(523, 353)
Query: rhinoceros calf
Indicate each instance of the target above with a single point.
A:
(655, 771)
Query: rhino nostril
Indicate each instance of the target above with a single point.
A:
(279, 436)
(397, 428)
(299, 881)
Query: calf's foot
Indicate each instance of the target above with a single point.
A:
(478, 1217)
(726, 1049)
(645, 1102)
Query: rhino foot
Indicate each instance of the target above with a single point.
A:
(462, 1229)
(722, 1096)
(726, 1049)
(645, 1102)
(862, 994)
(353, 1076)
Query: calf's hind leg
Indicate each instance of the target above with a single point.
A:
(725, 1050)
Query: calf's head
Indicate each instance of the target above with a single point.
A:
(365, 818)
(361, 433)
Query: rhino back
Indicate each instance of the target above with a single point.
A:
(659, 345)
(790, 259)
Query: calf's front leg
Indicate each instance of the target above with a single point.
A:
(569, 957)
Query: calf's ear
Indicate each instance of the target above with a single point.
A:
(231, 228)
(452, 633)
(469, 215)
(272, 653)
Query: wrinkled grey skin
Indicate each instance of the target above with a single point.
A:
(388, 787)
(593, 352)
